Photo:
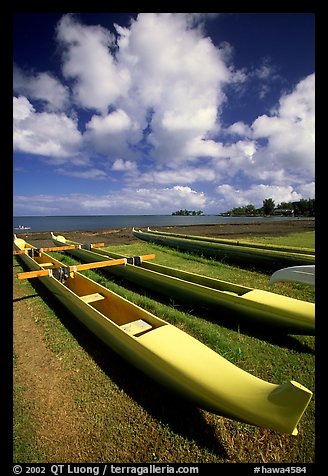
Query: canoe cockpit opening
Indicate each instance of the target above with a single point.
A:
(89, 298)
(231, 293)
(237, 292)
(136, 328)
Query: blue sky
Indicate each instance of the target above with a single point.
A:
(148, 113)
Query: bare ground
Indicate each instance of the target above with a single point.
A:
(234, 230)
(47, 385)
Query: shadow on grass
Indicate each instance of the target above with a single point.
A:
(25, 297)
(266, 333)
(182, 417)
(253, 260)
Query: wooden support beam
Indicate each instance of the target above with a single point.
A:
(79, 267)
(56, 248)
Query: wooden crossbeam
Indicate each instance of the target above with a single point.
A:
(56, 248)
(78, 267)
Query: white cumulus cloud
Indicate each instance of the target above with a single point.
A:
(290, 131)
(151, 200)
(41, 86)
(98, 80)
(143, 105)
(44, 133)
(231, 197)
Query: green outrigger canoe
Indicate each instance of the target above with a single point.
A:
(223, 299)
(226, 241)
(167, 354)
(263, 258)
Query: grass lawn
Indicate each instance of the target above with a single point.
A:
(91, 406)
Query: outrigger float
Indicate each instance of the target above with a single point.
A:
(168, 354)
(223, 299)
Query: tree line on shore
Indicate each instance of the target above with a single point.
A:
(304, 207)
(188, 213)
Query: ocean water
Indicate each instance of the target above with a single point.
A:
(102, 222)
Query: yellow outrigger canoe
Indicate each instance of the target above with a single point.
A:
(226, 301)
(168, 354)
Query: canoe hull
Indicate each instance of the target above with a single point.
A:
(251, 244)
(224, 300)
(267, 260)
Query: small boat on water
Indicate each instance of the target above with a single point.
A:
(268, 260)
(166, 353)
(22, 227)
(222, 299)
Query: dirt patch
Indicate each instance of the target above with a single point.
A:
(122, 236)
(46, 385)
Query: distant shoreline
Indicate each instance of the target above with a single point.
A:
(65, 224)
